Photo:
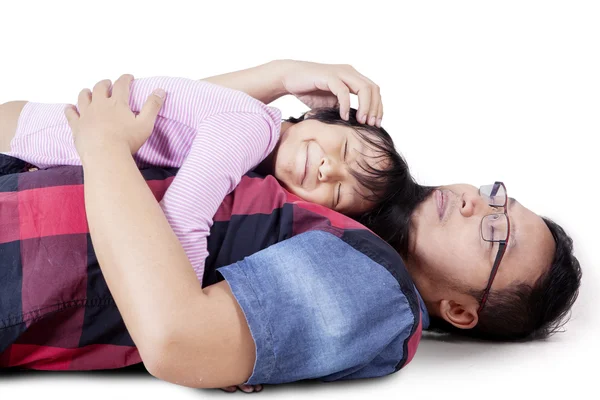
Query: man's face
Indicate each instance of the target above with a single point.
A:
(448, 246)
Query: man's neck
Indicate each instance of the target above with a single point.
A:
(422, 282)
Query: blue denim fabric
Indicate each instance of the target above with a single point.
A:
(319, 309)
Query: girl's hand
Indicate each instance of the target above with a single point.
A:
(327, 85)
(105, 119)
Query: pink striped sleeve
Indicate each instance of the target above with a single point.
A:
(188, 104)
(43, 136)
(214, 134)
(225, 148)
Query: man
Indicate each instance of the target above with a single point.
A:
(486, 266)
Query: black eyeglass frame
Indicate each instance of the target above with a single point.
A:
(502, 245)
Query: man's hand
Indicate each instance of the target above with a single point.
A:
(105, 120)
(243, 388)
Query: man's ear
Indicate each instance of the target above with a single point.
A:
(462, 316)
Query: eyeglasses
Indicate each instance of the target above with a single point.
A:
(495, 228)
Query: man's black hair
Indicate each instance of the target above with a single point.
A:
(523, 312)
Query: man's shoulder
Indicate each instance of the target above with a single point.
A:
(257, 194)
(287, 216)
(360, 255)
(344, 245)
(367, 310)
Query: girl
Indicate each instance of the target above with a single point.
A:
(341, 159)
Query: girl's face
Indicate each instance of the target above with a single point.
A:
(314, 160)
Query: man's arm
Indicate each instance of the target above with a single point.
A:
(145, 266)
(154, 285)
(202, 338)
(309, 320)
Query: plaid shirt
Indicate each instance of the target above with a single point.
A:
(323, 296)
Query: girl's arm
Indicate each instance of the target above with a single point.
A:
(264, 82)
(214, 135)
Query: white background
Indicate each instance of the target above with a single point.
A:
(459, 79)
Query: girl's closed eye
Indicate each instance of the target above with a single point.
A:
(345, 150)
(339, 187)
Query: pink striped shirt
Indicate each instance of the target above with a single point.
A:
(213, 134)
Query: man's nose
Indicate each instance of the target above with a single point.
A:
(471, 204)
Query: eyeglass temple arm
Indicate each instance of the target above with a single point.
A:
(486, 292)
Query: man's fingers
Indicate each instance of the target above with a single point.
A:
(360, 88)
(375, 101)
(101, 89)
(364, 104)
(370, 110)
(152, 106)
(72, 115)
(379, 114)
(84, 99)
(247, 388)
(122, 87)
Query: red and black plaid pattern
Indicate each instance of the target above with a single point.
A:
(56, 312)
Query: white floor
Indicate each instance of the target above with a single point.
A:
(456, 77)
(564, 367)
